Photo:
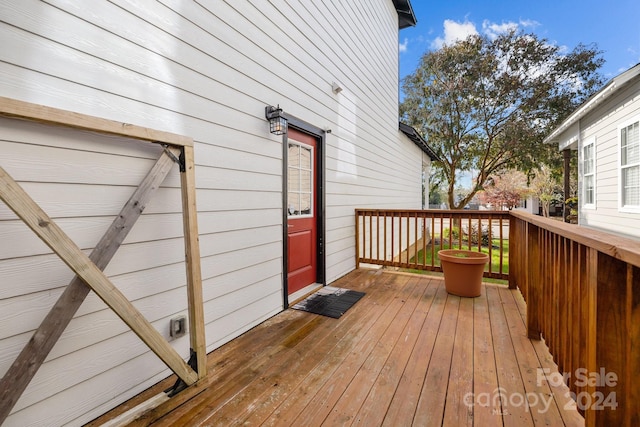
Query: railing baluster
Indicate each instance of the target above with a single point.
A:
(408, 236)
(434, 225)
(424, 240)
(415, 245)
(393, 235)
(385, 237)
(479, 233)
(501, 245)
(443, 237)
(490, 243)
(377, 235)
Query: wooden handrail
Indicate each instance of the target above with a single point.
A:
(622, 248)
(582, 288)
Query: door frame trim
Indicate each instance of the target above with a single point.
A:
(320, 199)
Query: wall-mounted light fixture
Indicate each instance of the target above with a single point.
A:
(336, 88)
(277, 123)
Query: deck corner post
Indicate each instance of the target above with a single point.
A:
(357, 239)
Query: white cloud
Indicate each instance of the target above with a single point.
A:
(529, 23)
(493, 29)
(402, 47)
(453, 32)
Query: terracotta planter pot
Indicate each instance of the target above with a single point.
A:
(463, 271)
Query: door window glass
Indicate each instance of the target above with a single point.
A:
(300, 180)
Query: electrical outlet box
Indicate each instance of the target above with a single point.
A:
(178, 326)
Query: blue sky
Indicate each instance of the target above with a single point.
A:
(613, 25)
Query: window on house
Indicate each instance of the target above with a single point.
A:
(589, 173)
(630, 166)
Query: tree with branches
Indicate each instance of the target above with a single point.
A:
(546, 187)
(507, 190)
(485, 104)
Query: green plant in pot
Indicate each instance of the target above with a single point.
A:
(463, 271)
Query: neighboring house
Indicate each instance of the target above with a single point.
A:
(428, 156)
(605, 131)
(204, 69)
(529, 204)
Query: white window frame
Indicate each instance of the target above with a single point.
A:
(590, 142)
(621, 206)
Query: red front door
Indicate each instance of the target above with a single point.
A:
(301, 210)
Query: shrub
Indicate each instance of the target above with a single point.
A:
(484, 234)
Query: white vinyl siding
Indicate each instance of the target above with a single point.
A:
(630, 166)
(205, 69)
(589, 173)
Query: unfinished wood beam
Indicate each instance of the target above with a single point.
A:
(192, 251)
(43, 114)
(49, 232)
(33, 355)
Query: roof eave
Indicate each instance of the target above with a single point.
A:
(607, 90)
(406, 16)
(417, 139)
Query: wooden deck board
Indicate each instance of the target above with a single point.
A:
(362, 383)
(542, 409)
(514, 413)
(433, 397)
(332, 391)
(375, 407)
(403, 405)
(457, 412)
(485, 379)
(313, 350)
(306, 388)
(406, 354)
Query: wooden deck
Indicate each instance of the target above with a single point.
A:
(406, 354)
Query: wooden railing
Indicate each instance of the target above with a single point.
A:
(582, 289)
(411, 239)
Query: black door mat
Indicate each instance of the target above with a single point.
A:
(330, 301)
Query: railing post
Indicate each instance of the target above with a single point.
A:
(514, 254)
(357, 239)
(633, 392)
(589, 306)
(534, 283)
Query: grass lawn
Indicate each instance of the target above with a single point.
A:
(495, 255)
